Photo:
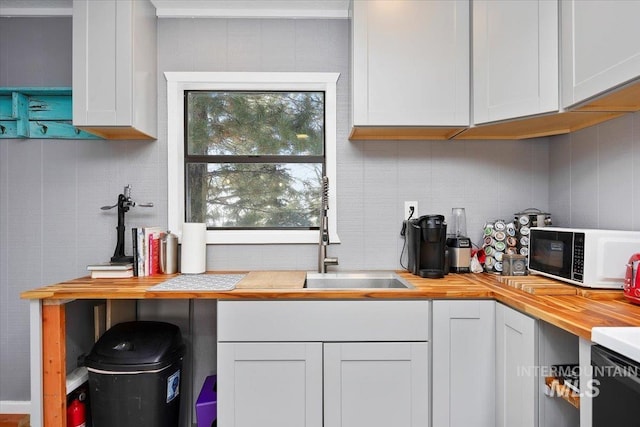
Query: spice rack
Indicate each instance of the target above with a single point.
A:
(557, 389)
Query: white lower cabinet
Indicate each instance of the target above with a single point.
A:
(516, 369)
(367, 363)
(463, 344)
(299, 363)
(270, 384)
(365, 384)
(376, 384)
(485, 369)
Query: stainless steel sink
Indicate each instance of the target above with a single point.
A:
(363, 280)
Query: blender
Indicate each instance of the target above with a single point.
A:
(458, 243)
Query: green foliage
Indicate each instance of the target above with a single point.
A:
(231, 127)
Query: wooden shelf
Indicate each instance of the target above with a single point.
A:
(42, 113)
(14, 420)
(560, 390)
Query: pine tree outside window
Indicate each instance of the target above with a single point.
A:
(254, 160)
(247, 152)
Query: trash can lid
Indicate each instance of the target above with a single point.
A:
(138, 345)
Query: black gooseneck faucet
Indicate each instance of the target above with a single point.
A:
(323, 260)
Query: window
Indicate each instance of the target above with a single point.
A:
(254, 160)
(247, 152)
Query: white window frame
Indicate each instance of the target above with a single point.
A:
(179, 82)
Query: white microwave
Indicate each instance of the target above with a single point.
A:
(585, 257)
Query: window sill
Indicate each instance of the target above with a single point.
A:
(265, 237)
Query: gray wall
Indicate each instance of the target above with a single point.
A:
(51, 191)
(492, 179)
(594, 176)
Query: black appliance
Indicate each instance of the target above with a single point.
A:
(426, 243)
(615, 389)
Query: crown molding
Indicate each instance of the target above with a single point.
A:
(36, 8)
(324, 9)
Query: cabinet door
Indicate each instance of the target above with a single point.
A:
(102, 52)
(463, 363)
(376, 384)
(515, 58)
(600, 47)
(270, 384)
(115, 68)
(410, 62)
(516, 362)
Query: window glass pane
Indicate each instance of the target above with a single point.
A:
(247, 195)
(255, 123)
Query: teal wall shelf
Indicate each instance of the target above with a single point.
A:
(39, 113)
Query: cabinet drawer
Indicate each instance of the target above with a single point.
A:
(323, 320)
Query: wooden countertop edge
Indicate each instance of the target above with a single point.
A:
(574, 313)
(248, 294)
(139, 288)
(556, 309)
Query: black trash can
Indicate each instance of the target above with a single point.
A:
(134, 375)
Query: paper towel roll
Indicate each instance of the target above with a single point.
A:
(193, 256)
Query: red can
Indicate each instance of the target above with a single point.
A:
(76, 414)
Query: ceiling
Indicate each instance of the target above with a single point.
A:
(198, 8)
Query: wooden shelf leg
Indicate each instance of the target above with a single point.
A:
(54, 374)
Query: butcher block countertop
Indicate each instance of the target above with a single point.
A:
(571, 308)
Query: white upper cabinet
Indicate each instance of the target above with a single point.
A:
(515, 58)
(600, 48)
(115, 68)
(410, 63)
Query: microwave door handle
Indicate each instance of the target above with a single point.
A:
(612, 365)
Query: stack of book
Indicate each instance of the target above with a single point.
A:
(111, 270)
(146, 250)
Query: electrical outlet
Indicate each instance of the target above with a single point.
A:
(410, 210)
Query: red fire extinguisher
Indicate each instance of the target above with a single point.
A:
(76, 412)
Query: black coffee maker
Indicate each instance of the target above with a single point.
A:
(426, 243)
